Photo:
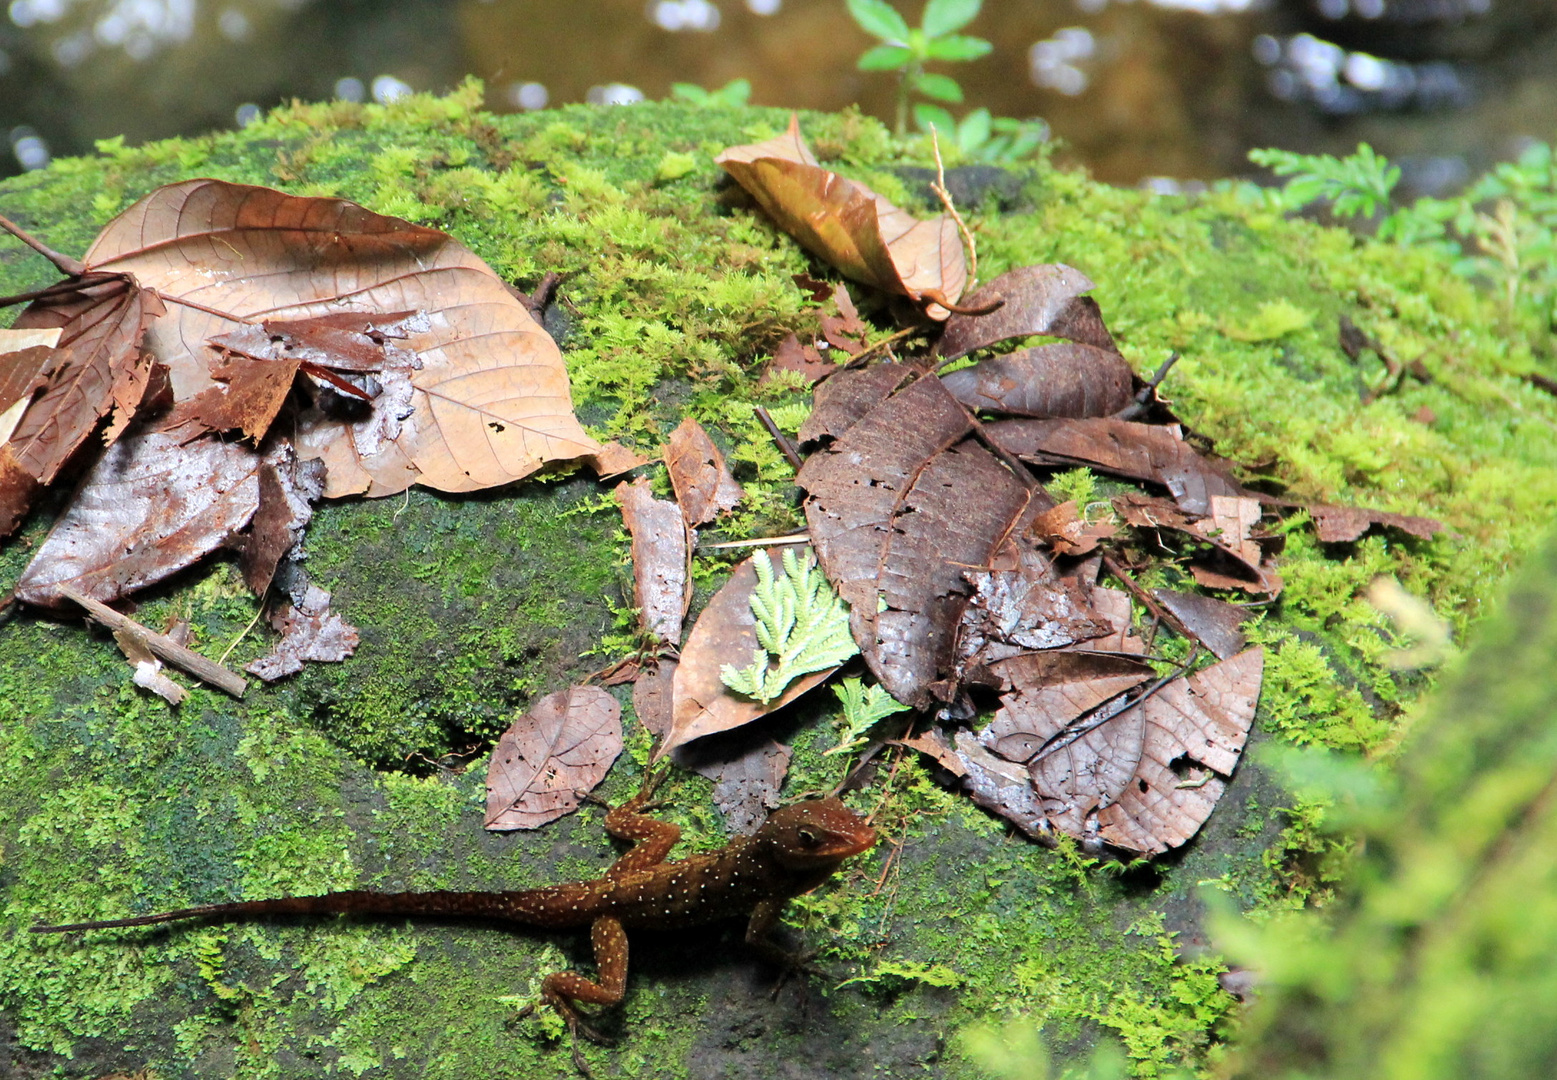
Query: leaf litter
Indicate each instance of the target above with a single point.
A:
(562, 747)
(210, 308)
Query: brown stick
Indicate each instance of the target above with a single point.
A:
(1150, 602)
(64, 263)
(160, 645)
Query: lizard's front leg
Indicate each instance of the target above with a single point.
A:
(653, 838)
(763, 916)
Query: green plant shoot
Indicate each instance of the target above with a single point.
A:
(907, 51)
(995, 140)
(733, 94)
(862, 707)
(801, 624)
(1359, 184)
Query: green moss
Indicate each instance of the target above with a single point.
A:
(369, 773)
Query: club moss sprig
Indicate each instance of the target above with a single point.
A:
(802, 626)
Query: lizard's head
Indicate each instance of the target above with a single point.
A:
(816, 834)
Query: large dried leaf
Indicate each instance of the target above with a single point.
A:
(900, 506)
(563, 746)
(1148, 452)
(1194, 732)
(702, 482)
(863, 235)
(661, 585)
(486, 401)
(1141, 775)
(97, 368)
(724, 633)
(1042, 299)
(147, 509)
(1064, 380)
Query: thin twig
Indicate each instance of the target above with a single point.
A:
(1150, 602)
(57, 289)
(64, 263)
(939, 187)
(761, 541)
(885, 343)
(1147, 396)
(783, 442)
(160, 645)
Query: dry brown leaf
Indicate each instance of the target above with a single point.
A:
(1236, 560)
(562, 748)
(900, 506)
(804, 360)
(613, 459)
(845, 399)
(25, 358)
(1002, 787)
(1020, 605)
(309, 631)
(864, 236)
(97, 368)
(486, 401)
(654, 695)
(1340, 524)
(1194, 732)
(704, 487)
(149, 507)
(934, 744)
(723, 633)
(747, 767)
(1065, 380)
(661, 552)
(846, 330)
(287, 492)
(1063, 530)
(1042, 299)
(1148, 452)
(17, 488)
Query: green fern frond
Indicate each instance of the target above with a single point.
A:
(801, 624)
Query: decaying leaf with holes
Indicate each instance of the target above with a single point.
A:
(564, 745)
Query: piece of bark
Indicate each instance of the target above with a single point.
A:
(561, 747)
(703, 484)
(661, 544)
(1044, 299)
(147, 669)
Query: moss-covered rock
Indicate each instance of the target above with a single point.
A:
(364, 774)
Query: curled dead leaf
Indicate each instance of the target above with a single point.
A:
(703, 484)
(844, 222)
(1064, 380)
(1045, 299)
(660, 548)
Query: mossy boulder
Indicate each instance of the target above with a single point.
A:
(370, 773)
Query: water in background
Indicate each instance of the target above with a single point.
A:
(1162, 90)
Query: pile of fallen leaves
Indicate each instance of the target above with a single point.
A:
(239, 353)
(969, 589)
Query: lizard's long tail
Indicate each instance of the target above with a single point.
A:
(512, 906)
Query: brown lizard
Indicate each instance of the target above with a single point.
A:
(795, 850)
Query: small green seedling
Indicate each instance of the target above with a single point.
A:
(862, 707)
(1356, 185)
(995, 140)
(733, 94)
(907, 51)
(801, 624)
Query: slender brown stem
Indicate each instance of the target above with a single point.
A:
(64, 263)
(939, 187)
(57, 289)
(1150, 602)
(782, 441)
(884, 344)
(160, 645)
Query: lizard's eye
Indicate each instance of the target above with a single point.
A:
(807, 837)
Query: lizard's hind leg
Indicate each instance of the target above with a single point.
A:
(562, 989)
